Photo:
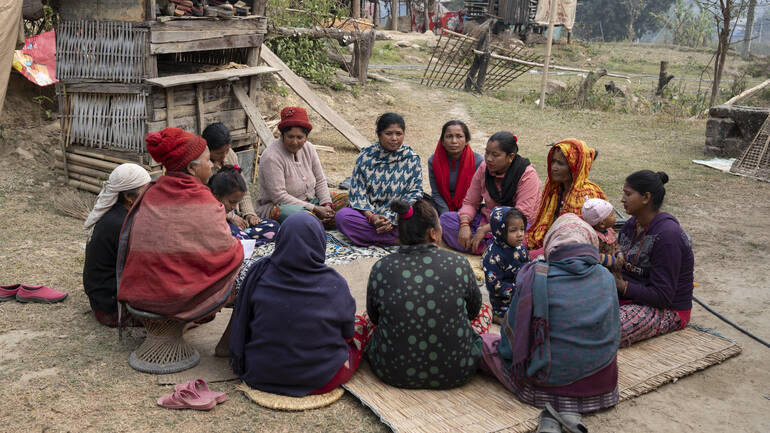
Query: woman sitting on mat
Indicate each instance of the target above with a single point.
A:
(503, 179)
(177, 257)
(293, 323)
(451, 167)
(125, 184)
(566, 189)
(229, 188)
(656, 282)
(560, 338)
(218, 140)
(385, 171)
(426, 306)
(291, 179)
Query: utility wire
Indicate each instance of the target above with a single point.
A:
(729, 322)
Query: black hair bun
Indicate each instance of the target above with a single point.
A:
(663, 177)
(400, 207)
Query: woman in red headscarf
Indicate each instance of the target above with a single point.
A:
(451, 167)
(176, 255)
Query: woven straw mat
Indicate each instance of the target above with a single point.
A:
(484, 405)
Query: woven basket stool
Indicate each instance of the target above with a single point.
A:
(164, 350)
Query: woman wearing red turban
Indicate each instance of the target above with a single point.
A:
(176, 255)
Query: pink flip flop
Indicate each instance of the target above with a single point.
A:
(200, 387)
(186, 399)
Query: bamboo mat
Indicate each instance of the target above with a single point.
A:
(484, 405)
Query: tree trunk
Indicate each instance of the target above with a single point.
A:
(631, 30)
(426, 16)
(746, 52)
(394, 14)
(376, 14)
(356, 9)
(588, 84)
(724, 44)
(663, 78)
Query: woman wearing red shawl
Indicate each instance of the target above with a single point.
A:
(451, 167)
(176, 254)
(566, 190)
(503, 179)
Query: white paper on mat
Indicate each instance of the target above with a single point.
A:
(248, 247)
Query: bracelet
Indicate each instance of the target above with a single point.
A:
(369, 218)
(465, 223)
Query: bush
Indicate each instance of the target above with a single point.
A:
(305, 56)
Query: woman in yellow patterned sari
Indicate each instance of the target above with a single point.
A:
(565, 191)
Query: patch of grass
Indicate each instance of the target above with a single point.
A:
(385, 53)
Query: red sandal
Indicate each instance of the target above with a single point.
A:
(186, 399)
(200, 387)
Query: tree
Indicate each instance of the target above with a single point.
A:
(634, 9)
(610, 18)
(747, 32)
(686, 27)
(724, 13)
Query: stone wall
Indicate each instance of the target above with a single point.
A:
(730, 129)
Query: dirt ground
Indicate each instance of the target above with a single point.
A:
(64, 372)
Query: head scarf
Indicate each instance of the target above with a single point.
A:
(563, 322)
(569, 229)
(579, 157)
(596, 210)
(174, 148)
(466, 167)
(124, 178)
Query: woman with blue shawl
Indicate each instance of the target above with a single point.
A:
(558, 345)
(294, 325)
(385, 171)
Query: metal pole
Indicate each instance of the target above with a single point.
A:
(549, 42)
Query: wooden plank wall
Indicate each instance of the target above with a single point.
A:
(178, 36)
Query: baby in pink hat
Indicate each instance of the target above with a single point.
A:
(601, 216)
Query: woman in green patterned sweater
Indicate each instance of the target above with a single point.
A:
(426, 307)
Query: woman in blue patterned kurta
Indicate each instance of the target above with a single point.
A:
(385, 171)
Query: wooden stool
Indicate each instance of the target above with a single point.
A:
(164, 350)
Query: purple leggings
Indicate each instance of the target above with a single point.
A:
(450, 226)
(354, 225)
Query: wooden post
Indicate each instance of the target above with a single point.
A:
(549, 42)
(425, 15)
(258, 7)
(663, 77)
(199, 107)
(376, 14)
(356, 9)
(362, 54)
(170, 106)
(394, 14)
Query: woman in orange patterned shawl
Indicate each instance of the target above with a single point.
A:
(567, 187)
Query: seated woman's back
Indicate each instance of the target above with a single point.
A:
(292, 315)
(422, 299)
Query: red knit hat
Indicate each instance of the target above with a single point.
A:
(174, 148)
(294, 116)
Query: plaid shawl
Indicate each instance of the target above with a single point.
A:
(176, 255)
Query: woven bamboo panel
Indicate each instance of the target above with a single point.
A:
(453, 56)
(755, 159)
(107, 121)
(111, 51)
(484, 405)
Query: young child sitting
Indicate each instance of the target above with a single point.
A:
(504, 257)
(228, 187)
(601, 216)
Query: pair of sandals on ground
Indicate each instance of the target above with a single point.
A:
(552, 421)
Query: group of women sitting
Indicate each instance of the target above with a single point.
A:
(294, 330)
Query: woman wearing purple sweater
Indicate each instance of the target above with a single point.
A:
(655, 285)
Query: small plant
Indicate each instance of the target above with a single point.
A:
(45, 102)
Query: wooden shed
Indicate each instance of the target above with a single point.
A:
(124, 72)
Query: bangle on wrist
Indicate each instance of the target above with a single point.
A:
(465, 223)
(369, 218)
